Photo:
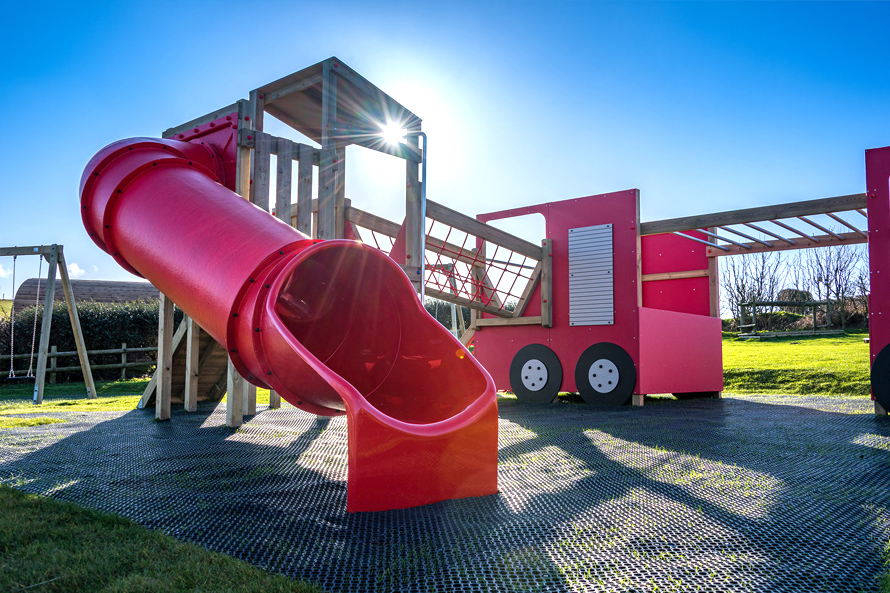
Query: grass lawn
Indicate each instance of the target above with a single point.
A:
(66, 397)
(46, 545)
(829, 365)
(112, 396)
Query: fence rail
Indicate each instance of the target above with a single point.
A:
(53, 355)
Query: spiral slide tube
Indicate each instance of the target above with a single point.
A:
(334, 326)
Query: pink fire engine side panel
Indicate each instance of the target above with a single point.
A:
(495, 347)
(679, 352)
(669, 253)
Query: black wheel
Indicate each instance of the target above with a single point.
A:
(605, 374)
(880, 377)
(535, 374)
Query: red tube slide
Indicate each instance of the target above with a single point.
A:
(334, 326)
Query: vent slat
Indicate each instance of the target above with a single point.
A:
(591, 267)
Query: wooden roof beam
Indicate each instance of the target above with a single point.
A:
(716, 236)
(697, 240)
(770, 233)
(741, 234)
(294, 87)
(823, 241)
(820, 227)
(847, 224)
(794, 230)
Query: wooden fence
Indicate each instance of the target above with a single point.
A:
(54, 355)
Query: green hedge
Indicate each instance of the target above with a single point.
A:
(105, 326)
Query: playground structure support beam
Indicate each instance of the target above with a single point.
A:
(789, 210)
(823, 241)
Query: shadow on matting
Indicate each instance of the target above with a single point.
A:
(744, 493)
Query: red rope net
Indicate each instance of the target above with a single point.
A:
(463, 268)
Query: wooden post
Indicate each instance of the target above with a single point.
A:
(123, 361)
(304, 190)
(45, 326)
(248, 398)
(547, 283)
(340, 193)
(234, 382)
(415, 225)
(234, 397)
(192, 365)
(262, 162)
(242, 165)
(257, 110)
(52, 364)
(165, 358)
(714, 283)
(478, 275)
(327, 224)
(284, 179)
(879, 409)
(327, 183)
(283, 198)
(74, 318)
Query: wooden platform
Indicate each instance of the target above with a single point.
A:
(212, 367)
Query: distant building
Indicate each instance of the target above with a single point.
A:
(99, 291)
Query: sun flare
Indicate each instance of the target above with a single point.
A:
(393, 134)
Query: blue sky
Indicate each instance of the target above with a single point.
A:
(702, 106)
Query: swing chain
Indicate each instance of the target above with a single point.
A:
(34, 331)
(12, 324)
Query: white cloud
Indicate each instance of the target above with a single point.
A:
(75, 270)
(95, 269)
(4, 273)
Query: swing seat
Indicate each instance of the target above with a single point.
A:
(22, 379)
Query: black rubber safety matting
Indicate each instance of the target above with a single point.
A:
(739, 494)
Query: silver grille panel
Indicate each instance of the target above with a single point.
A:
(591, 285)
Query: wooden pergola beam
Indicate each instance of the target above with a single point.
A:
(847, 224)
(770, 233)
(762, 213)
(795, 231)
(823, 241)
(741, 234)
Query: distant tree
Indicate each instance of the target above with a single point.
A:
(746, 278)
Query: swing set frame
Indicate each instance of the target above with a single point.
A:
(54, 254)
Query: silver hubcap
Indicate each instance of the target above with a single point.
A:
(534, 375)
(603, 376)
